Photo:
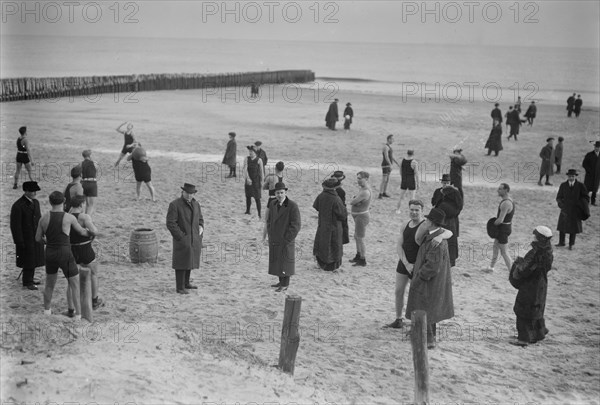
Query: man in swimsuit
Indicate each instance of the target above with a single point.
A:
(74, 188)
(386, 166)
(54, 229)
(23, 156)
(506, 210)
(409, 174)
(128, 142)
(88, 181)
(360, 213)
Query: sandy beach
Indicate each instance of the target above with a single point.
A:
(219, 344)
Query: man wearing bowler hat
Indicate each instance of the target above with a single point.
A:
(282, 225)
(591, 164)
(431, 284)
(448, 199)
(25, 215)
(572, 199)
(186, 224)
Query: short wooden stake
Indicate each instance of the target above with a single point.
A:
(419, 350)
(290, 334)
(85, 290)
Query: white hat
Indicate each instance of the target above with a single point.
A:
(543, 230)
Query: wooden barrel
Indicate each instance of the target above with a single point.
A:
(143, 246)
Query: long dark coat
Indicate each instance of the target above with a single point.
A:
(24, 218)
(494, 141)
(230, 158)
(332, 115)
(431, 284)
(283, 225)
(531, 275)
(184, 221)
(456, 165)
(573, 204)
(531, 111)
(345, 230)
(328, 245)
(558, 154)
(591, 164)
(515, 122)
(547, 166)
(496, 114)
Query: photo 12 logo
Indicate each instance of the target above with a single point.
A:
(53, 12)
(453, 12)
(270, 11)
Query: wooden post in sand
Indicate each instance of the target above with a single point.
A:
(290, 336)
(85, 290)
(418, 340)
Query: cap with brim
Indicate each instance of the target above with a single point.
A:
(597, 144)
(445, 177)
(189, 188)
(572, 172)
(280, 186)
(31, 186)
(258, 143)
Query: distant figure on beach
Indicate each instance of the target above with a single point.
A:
(558, 154)
(339, 176)
(386, 166)
(360, 206)
(141, 170)
(89, 181)
(508, 118)
(81, 247)
(74, 188)
(515, 123)
(573, 200)
(577, 106)
(531, 113)
(25, 215)
(496, 115)
(253, 178)
(494, 142)
(186, 224)
(328, 246)
(348, 115)
(23, 156)
(54, 229)
(129, 139)
(570, 105)
(530, 276)
(431, 284)
(547, 155)
(230, 158)
(409, 177)
(591, 164)
(518, 104)
(254, 90)
(503, 227)
(447, 198)
(332, 115)
(457, 162)
(260, 152)
(282, 224)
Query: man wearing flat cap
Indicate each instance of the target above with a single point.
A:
(547, 166)
(260, 152)
(591, 164)
(431, 284)
(572, 199)
(332, 115)
(186, 224)
(328, 245)
(25, 215)
(282, 225)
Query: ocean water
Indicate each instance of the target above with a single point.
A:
(448, 73)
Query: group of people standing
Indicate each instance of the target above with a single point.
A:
(574, 105)
(332, 116)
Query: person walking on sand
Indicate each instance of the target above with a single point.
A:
(494, 142)
(431, 284)
(531, 113)
(23, 156)
(253, 178)
(570, 105)
(74, 188)
(572, 199)
(230, 158)
(348, 115)
(141, 170)
(386, 166)
(503, 224)
(360, 206)
(328, 246)
(591, 164)
(409, 175)
(186, 224)
(529, 275)
(54, 229)
(457, 161)
(577, 106)
(89, 181)
(546, 167)
(25, 215)
(282, 224)
(558, 154)
(332, 115)
(129, 140)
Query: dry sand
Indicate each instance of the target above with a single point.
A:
(218, 344)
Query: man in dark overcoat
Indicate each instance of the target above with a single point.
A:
(282, 226)
(431, 284)
(448, 199)
(332, 115)
(496, 115)
(591, 164)
(186, 224)
(570, 105)
(328, 245)
(547, 166)
(25, 215)
(572, 199)
(230, 158)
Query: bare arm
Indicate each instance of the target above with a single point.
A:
(75, 225)
(121, 126)
(87, 222)
(362, 196)
(503, 211)
(386, 155)
(39, 233)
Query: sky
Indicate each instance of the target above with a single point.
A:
(521, 23)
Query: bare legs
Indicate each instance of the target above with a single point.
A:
(138, 188)
(18, 172)
(500, 248)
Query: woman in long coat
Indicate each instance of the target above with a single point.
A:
(494, 142)
(529, 276)
(328, 245)
(230, 158)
